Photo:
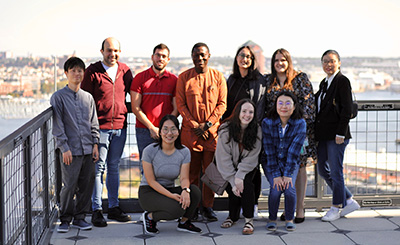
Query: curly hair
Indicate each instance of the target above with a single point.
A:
(248, 137)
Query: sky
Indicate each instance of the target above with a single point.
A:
(306, 28)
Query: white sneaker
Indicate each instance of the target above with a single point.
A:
(331, 215)
(352, 205)
(255, 211)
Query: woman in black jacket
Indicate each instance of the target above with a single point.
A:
(334, 108)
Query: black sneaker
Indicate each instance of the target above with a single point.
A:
(150, 226)
(188, 227)
(63, 227)
(209, 214)
(81, 224)
(117, 214)
(98, 219)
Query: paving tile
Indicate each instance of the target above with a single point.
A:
(364, 224)
(316, 238)
(373, 238)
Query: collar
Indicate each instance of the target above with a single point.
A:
(153, 74)
(330, 79)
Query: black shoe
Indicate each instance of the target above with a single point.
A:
(150, 226)
(283, 218)
(209, 214)
(117, 214)
(98, 219)
(299, 220)
(188, 227)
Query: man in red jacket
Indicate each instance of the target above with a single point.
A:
(109, 81)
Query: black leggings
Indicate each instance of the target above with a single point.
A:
(165, 208)
(246, 201)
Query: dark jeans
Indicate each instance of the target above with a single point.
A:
(78, 181)
(246, 201)
(165, 208)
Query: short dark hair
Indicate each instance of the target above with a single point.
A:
(198, 45)
(330, 51)
(74, 62)
(178, 144)
(298, 111)
(161, 46)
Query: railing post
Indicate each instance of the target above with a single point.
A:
(2, 229)
(45, 176)
(319, 188)
(28, 198)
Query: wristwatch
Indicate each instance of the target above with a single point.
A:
(186, 189)
(209, 124)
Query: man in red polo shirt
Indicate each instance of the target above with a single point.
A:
(153, 97)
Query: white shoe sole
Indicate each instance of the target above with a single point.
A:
(350, 208)
(185, 230)
(82, 228)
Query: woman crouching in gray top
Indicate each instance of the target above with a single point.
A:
(238, 148)
(163, 162)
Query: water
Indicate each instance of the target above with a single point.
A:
(7, 126)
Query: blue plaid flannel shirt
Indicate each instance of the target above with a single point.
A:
(282, 153)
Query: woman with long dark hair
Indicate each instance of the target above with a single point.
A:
(284, 132)
(247, 82)
(163, 162)
(238, 148)
(284, 77)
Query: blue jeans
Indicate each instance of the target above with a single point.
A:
(143, 139)
(111, 146)
(274, 197)
(330, 167)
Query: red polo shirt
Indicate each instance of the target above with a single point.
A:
(157, 93)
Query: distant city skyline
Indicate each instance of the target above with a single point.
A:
(305, 28)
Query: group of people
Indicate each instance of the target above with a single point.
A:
(274, 121)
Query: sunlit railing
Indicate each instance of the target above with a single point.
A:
(30, 177)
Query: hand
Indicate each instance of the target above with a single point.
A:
(239, 184)
(185, 199)
(278, 183)
(67, 157)
(287, 181)
(339, 140)
(205, 135)
(95, 153)
(154, 132)
(176, 197)
(235, 191)
(199, 130)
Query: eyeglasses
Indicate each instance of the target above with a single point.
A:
(241, 55)
(287, 104)
(173, 130)
(325, 62)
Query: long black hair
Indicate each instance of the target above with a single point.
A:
(298, 111)
(249, 138)
(177, 143)
(252, 70)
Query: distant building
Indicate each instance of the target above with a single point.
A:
(258, 52)
(6, 55)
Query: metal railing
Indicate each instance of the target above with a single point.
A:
(31, 180)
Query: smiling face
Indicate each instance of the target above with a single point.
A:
(280, 64)
(244, 59)
(330, 64)
(75, 75)
(111, 52)
(169, 132)
(160, 59)
(285, 106)
(246, 114)
(200, 58)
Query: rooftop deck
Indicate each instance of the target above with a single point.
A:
(364, 226)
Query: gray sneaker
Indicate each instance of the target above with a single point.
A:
(63, 227)
(81, 224)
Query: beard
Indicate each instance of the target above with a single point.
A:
(158, 68)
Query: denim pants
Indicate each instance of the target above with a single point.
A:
(330, 167)
(111, 147)
(143, 139)
(274, 197)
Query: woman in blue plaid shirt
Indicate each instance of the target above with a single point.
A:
(284, 132)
